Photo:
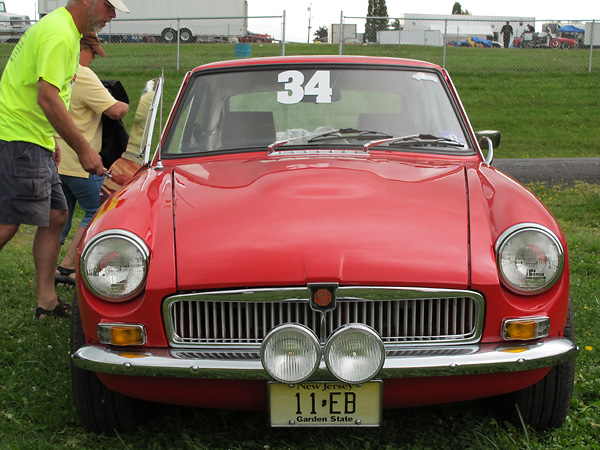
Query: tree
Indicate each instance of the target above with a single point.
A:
(457, 9)
(377, 10)
(321, 34)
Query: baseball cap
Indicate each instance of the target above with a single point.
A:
(91, 39)
(118, 4)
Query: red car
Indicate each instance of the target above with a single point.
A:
(536, 40)
(323, 238)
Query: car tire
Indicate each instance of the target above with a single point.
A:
(100, 409)
(545, 404)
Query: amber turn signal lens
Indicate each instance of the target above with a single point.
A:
(526, 329)
(121, 335)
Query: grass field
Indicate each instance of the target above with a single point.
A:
(541, 113)
(37, 411)
(544, 101)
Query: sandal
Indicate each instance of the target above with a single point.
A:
(61, 310)
(64, 276)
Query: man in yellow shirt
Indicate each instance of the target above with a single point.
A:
(35, 91)
(89, 100)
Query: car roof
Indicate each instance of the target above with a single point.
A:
(317, 59)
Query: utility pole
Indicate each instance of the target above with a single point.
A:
(309, 17)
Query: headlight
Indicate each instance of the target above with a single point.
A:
(290, 353)
(114, 265)
(354, 353)
(530, 258)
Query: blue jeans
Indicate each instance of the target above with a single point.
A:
(86, 191)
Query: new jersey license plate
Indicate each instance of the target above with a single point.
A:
(325, 404)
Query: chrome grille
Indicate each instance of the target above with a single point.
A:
(221, 319)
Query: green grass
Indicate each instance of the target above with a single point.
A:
(546, 105)
(36, 406)
(544, 101)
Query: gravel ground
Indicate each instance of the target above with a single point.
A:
(551, 170)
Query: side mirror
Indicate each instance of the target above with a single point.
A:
(492, 135)
(493, 140)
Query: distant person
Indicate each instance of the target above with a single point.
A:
(89, 100)
(530, 28)
(35, 91)
(506, 33)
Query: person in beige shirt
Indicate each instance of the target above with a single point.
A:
(89, 100)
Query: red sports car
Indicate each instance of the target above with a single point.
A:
(323, 238)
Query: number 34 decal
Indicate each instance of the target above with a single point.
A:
(318, 86)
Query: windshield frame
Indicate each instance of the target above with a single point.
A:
(470, 147)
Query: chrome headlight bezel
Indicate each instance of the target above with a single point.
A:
(135, 244)
(366, 356)
(536, 234)
(286, 368)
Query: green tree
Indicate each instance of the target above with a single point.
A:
(457, 9)
(321, 34)
(377, 19)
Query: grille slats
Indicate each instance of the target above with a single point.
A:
(198, 322)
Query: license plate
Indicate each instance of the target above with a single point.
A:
(325, 404)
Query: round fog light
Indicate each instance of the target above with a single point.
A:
(354, 353)
(290, 353)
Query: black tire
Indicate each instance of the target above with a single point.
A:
(546, 403)
(100, 409)
(186, 36)
(169, 35)
(565, 45)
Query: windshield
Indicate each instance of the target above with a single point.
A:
(316, 107)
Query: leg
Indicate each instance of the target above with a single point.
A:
(6, 233)
(70, 259)
(86, 191)
(46, 248)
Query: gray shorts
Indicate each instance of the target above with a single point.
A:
(29, 184)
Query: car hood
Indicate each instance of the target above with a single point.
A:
(283, 222)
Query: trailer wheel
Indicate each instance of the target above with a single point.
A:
(566, 45)
(169, 35)
(186, 35)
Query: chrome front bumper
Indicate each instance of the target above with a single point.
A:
(401, 362)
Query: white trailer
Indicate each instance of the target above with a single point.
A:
(12, 26)
(162, 20)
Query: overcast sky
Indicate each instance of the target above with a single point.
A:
(326, 12)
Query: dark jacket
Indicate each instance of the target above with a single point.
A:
(114, 134)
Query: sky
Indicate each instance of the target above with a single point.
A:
(327, 12)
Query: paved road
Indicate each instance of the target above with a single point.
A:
(565, 170)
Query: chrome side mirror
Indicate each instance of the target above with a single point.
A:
(493, 140)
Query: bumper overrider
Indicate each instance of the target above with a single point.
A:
(474, 359)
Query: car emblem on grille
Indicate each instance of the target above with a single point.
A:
(322, 296)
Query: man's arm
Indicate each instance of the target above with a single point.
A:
(58, 116)
(117, 111)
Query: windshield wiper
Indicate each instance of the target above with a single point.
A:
(332, 134)
(415, 140)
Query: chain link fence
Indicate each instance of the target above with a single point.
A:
(466, 43)
(461, 44)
